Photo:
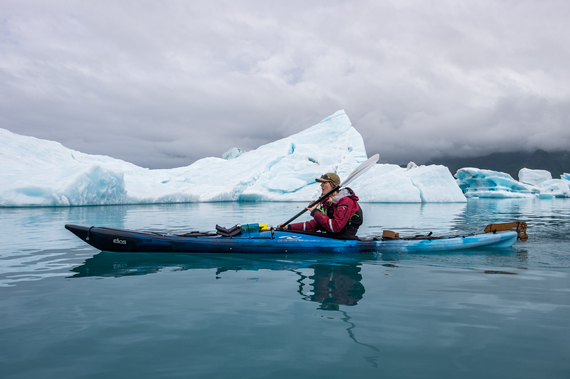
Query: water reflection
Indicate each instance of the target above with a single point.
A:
(333, 285)
(334, 281)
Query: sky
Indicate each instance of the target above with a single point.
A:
(164, 83)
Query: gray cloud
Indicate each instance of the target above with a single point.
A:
(161, 84)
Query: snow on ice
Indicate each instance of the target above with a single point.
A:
(36, 172)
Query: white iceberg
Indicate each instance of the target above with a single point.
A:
(36, 172)
(481, 183)
(534, 177)
(543, 182)
(436, 184)
(386, 183)
(390, 183)
(554, 188)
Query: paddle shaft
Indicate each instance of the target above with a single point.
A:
(310, 205)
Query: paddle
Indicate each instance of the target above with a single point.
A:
(361, 169)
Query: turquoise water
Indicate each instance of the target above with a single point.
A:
(70, 311)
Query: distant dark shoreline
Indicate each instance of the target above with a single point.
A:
(557, 162)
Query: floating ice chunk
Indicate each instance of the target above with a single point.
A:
(554, 188)
(533, 177)
(476, 182)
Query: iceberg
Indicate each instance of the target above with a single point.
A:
(475, 182)
(37, 172)
(554, 188)
(543, 182)
(388, 183)
(534, 177)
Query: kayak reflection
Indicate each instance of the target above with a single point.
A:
(334, 285)
(335, 281)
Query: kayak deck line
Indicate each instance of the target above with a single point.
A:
(251, 238)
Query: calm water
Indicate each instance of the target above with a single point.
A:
(70, 311)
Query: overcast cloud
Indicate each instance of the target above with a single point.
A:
(163, 83)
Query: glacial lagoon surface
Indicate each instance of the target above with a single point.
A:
(68, 310)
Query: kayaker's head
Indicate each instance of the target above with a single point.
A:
(328, 181)
(329, 177)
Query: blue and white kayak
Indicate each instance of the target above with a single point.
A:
(251, 239)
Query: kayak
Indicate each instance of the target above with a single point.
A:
(256, 239)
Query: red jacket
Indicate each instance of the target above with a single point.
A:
(335, 217)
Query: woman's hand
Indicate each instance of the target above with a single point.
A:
(310, 209)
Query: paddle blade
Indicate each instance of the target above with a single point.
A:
(361, 169)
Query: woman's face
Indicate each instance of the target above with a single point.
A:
(326, 187)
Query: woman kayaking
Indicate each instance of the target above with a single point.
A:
(338, 214)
